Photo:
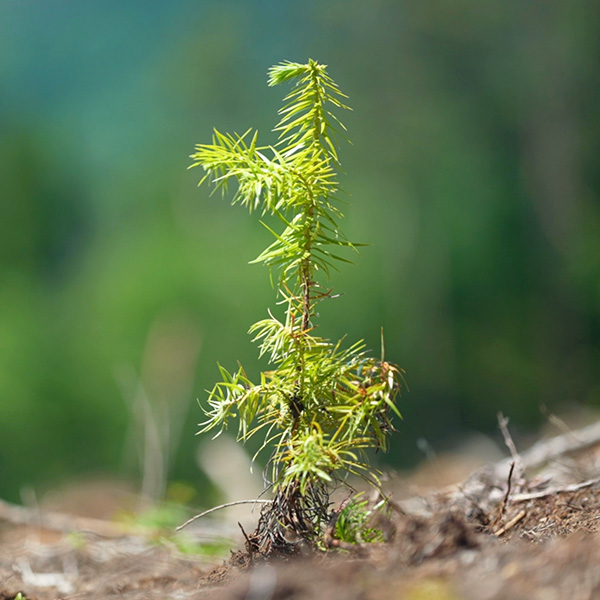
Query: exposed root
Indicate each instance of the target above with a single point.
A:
(292, 522)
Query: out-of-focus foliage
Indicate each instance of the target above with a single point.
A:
(474, 170)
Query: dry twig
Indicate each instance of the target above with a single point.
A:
(215, 508)
(545, 451)
(510, 444)
(510, 524)
(556, 490)
(506, 496)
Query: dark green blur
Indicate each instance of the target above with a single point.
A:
(473, 174)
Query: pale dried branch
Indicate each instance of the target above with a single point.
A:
(510, 444)
(510, 524)
(545, 451)
(221, 506)
(542, 453)
(574, 487)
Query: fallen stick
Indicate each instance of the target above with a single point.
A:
(545, 451)
(540, 454)
(510, 524)
(574, 487)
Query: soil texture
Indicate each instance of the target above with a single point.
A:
(524, 528)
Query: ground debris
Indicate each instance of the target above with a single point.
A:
(97, 570)
(506, 532)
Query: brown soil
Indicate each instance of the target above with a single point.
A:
(524, 537)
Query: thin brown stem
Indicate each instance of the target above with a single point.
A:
(305, 276)
(305, 269)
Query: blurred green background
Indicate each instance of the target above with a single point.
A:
(473, 173)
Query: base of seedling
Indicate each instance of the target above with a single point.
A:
(291, 523)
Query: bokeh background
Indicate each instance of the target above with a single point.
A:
(473, 173)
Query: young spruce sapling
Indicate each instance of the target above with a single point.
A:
(323, 404)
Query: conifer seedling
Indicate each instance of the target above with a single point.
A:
(323, 404)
